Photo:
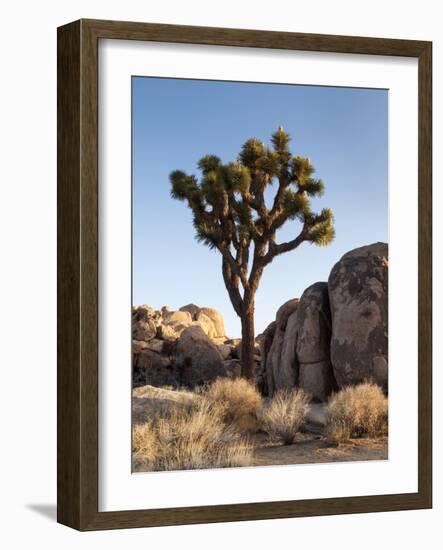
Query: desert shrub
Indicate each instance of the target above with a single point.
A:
(235, 400)
(186, 438)
(357, 411)
(285, 414)
(144, 445)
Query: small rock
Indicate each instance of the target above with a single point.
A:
(155, 345)
(225, 351)
(192, 309)
(232, 368)
(179, 317)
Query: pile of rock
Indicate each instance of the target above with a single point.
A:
(333, 336)
(187, 347)
(336, 334)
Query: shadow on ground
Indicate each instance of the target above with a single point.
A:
(48, 511)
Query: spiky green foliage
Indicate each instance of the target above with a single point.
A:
(208, 163)
(280, 140)
(322, 230)
(251, 152)
(230, 212)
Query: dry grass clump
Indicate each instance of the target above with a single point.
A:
(144, 445)
(285, 414)
(237, 401)
(187, 438)
(357, 411)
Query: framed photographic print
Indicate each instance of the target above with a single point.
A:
(244, 275)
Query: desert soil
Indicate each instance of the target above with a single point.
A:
(311, 448)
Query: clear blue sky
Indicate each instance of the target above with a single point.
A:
(175, 122)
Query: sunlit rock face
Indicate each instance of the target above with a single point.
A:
(358, 294)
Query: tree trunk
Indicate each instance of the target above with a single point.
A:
(248, 343)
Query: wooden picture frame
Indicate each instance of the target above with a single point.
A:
(78, 274)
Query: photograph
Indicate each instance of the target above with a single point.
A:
(259, 274)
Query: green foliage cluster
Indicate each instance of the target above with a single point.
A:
(228, 204)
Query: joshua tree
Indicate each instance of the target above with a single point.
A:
(231, 215)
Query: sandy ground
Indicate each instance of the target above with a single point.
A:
(314, 448)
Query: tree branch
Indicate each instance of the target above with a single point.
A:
(283, 183)
(256, 271)
(231, 284)
(277, 249)
(234, 266)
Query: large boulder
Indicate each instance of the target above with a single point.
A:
(313, 340)
(206, 324)
(265, 342)
(149, 401)
(375, 249)
(197, 358)
(358, 294)
(277, 378)
(150, 367)
(288, 364)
